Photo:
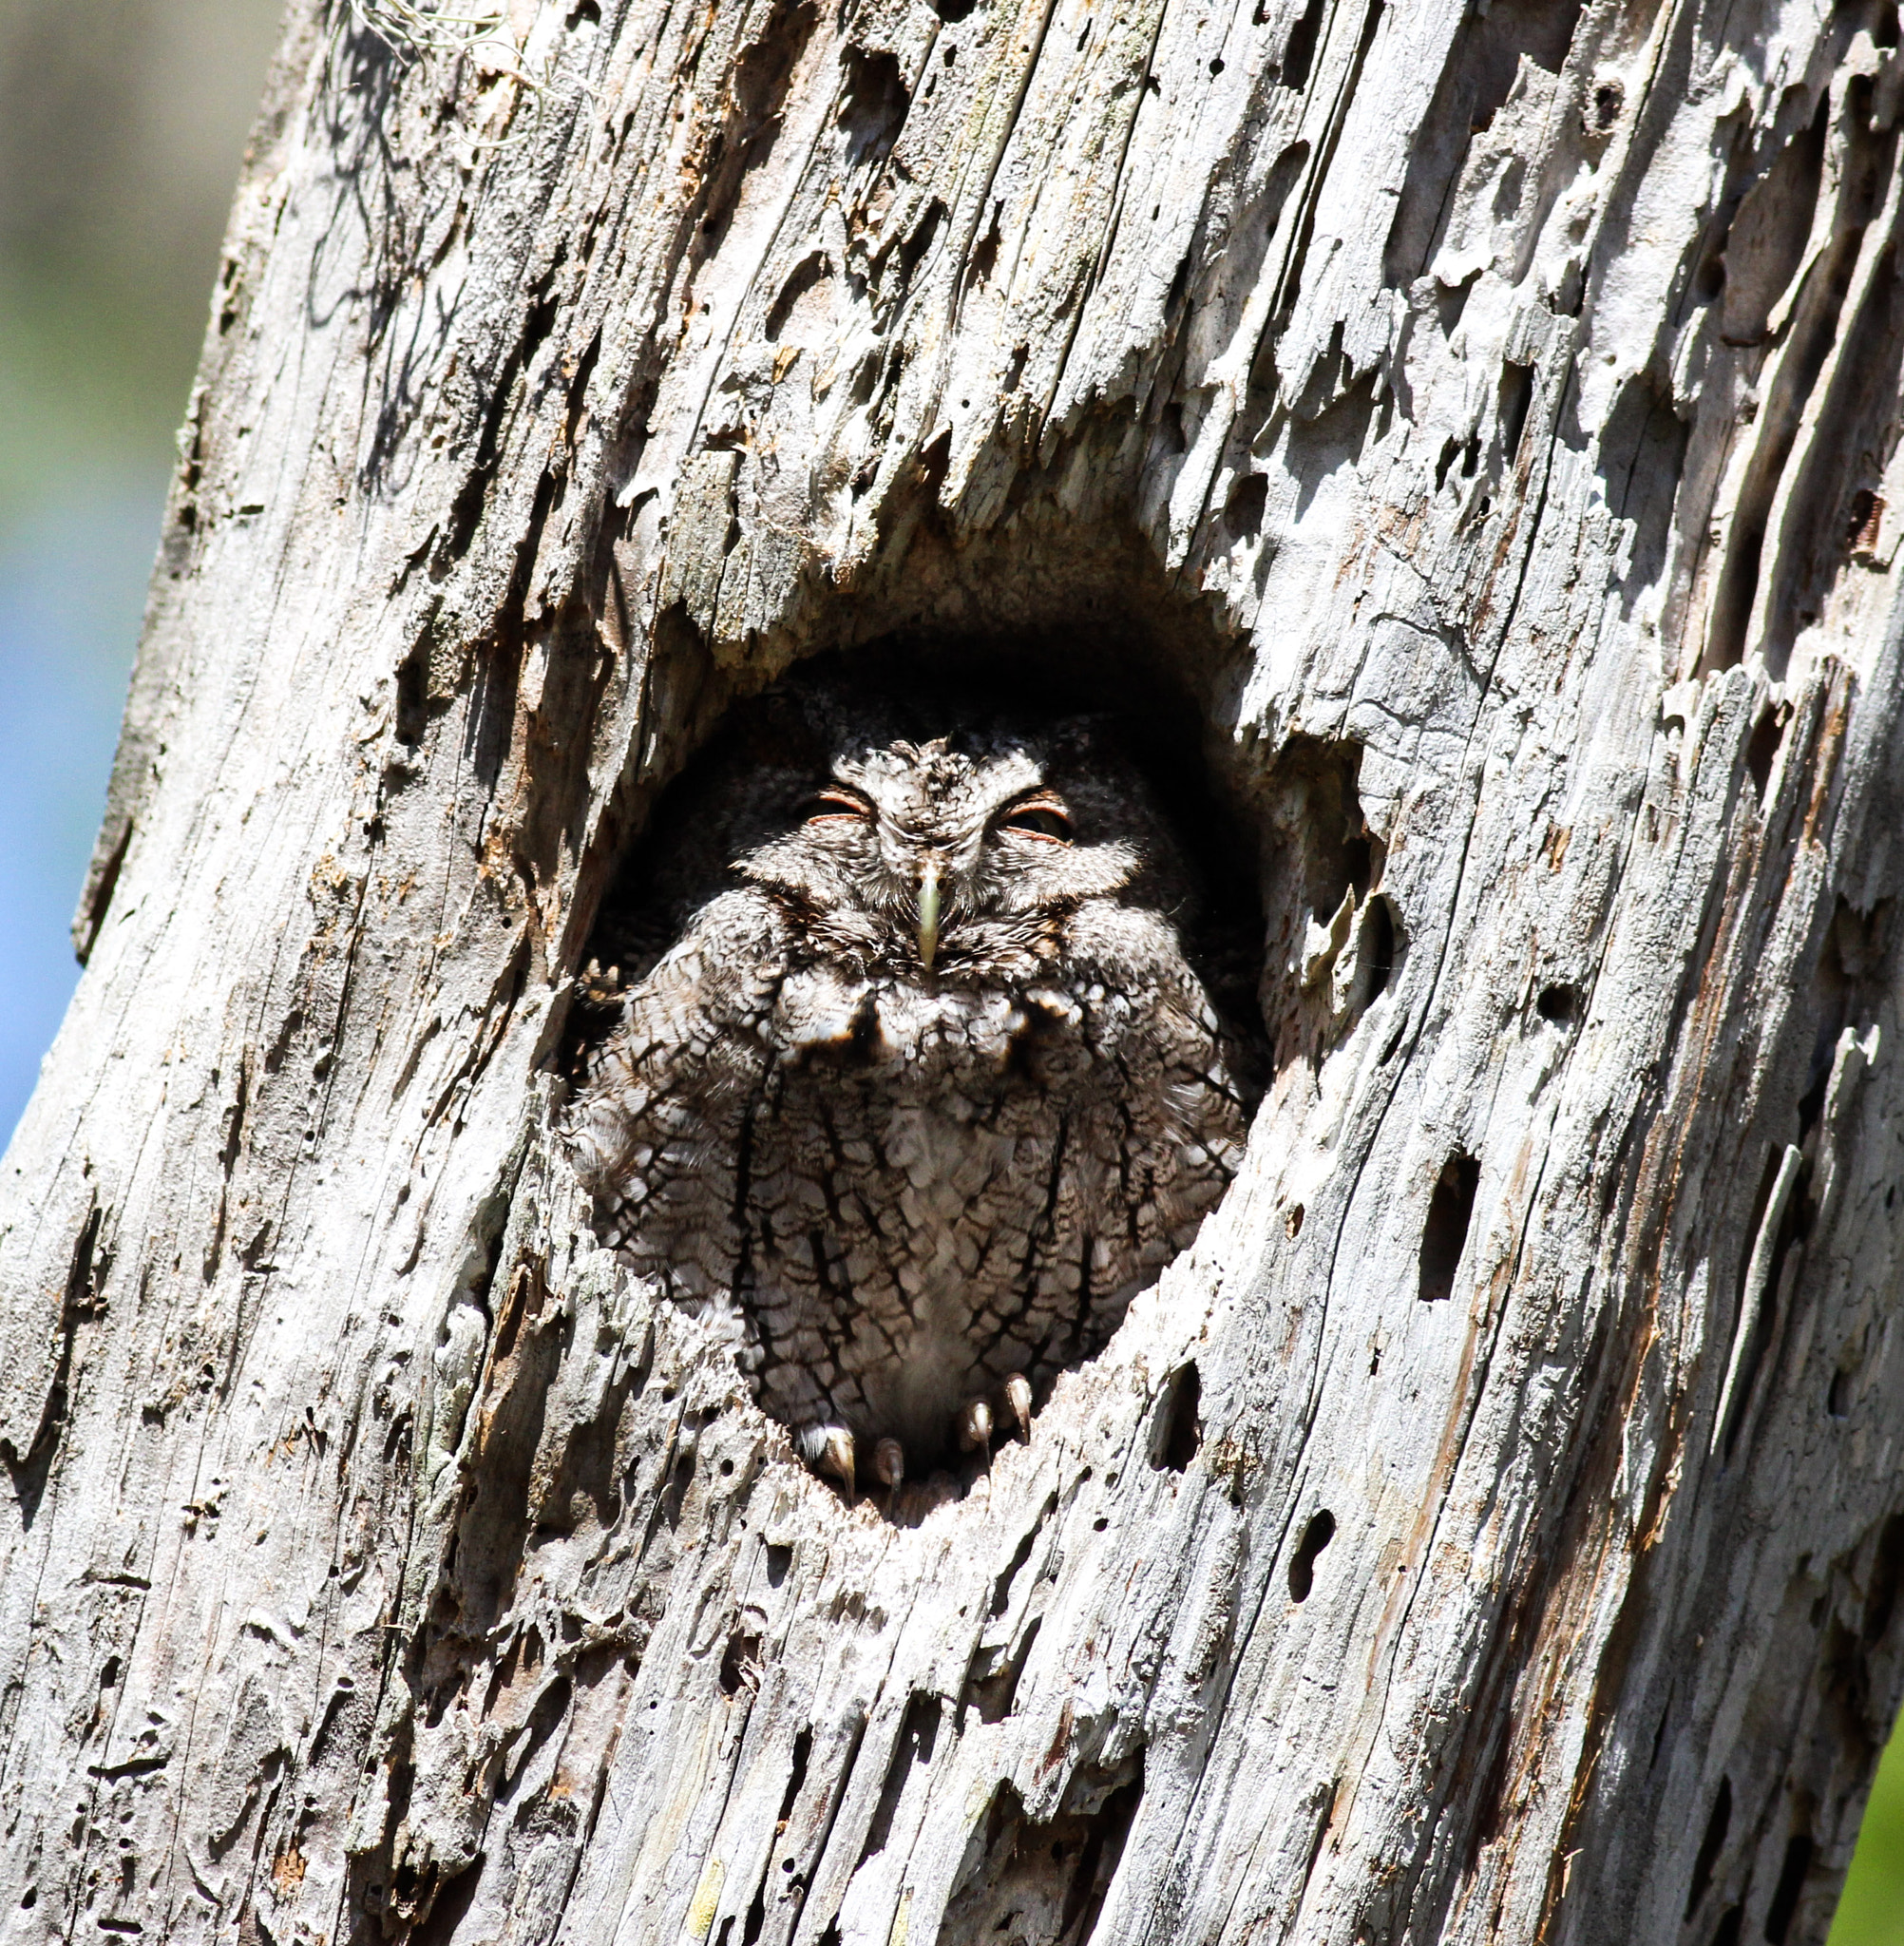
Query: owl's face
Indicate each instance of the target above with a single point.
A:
(946, 859)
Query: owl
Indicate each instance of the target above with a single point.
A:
(909, 1079)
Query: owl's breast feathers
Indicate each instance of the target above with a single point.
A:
(904, 1186)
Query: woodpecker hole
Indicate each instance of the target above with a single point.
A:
(1179, 1432)
(1316, 1536)
(1445, 1234)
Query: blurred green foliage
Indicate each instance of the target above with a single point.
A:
(1872, 1910)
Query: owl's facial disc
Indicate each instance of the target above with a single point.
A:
(937, 859)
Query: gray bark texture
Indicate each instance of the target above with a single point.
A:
(1486, 417)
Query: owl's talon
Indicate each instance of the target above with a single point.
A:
(975, 1427)
(1018, 1397)
(829, 1449)
(889, 1469)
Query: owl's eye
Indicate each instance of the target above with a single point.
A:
(835, 807)
(1038, 818)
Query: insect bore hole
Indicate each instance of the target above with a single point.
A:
(1838, 1394)
(1560, 1004)
(742, 1658)
(1377, 947)
(1710, 1845)
(1316, 1536)
(1762, 750)
(1444, 1236)
(1789, 1888)
(1179, 1432)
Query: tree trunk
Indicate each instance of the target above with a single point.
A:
(1493, 1529)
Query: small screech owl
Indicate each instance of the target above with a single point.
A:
(915, 1086)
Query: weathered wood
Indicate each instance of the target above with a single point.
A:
(1488, 416)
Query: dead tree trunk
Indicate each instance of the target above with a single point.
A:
(1493, 1530)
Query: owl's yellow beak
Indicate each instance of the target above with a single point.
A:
(928, 913)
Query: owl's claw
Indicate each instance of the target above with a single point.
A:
(829, 1449)
(889, 1468)
(975, 1427)
(1018, 1397)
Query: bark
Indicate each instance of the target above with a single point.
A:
(1488, 420)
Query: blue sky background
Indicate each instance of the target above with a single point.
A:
(122, 125)
(73, 584)
(122, 122)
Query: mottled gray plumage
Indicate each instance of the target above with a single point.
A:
(908, 1162)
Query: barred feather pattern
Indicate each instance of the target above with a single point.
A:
(904, 1161)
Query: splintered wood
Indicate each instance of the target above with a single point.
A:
(1487, 418)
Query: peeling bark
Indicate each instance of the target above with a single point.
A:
(1485, 422)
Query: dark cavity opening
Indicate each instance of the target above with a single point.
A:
(1243, 513)
(1316, 1536)
(1333, 938)
(1120, 742)
(412, 696)
(1717, 1825)
(992, 1687)
(1763, 749)
(873, 102)
(806, 274)
(1517, 395)
(918, 1734)
(796, 1776)
(740, 1662)
(1642, 458)
(1445, 1234)
(1001, 1588)
(1299, 51)
(1558, 1003)
(1377, 948)
(1794, 1225)
(1887, 1581)
(1020, 1879)
(1789, 1888)
(1765, 239)
(1178, 1432)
